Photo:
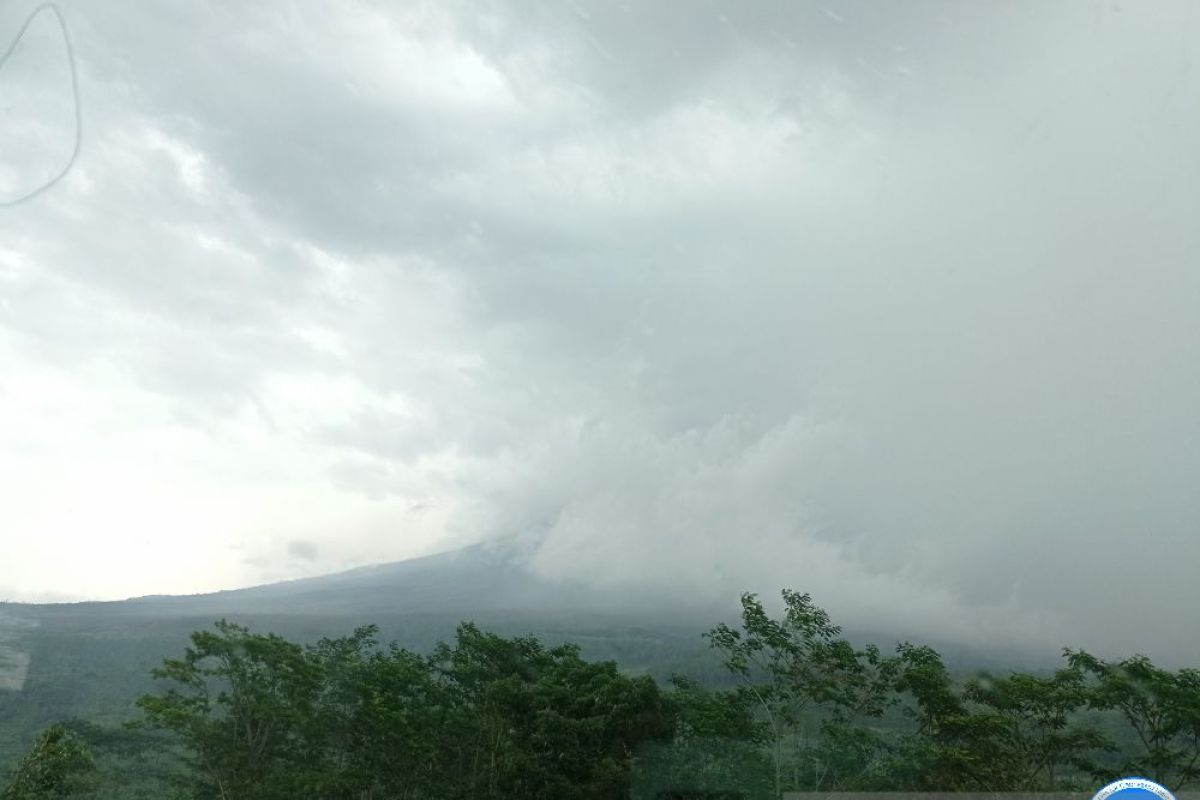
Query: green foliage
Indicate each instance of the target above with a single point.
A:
(841, 719)
(951, 746)
(1160, 706)
(132, 763)
(240, 701)
(1009, 733)
(1036, 739)
(716, 748)
(244, 715)
(813, 688)
(93, 662)
(485, 717)
(545, 723)
(58, 765)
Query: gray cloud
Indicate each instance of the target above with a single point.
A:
(303, 550)
(895, 304)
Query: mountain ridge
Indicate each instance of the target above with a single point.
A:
(490, 582)
(487, 577)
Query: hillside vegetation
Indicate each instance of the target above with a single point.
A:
(242, 714)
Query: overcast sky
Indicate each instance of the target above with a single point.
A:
(896, 303)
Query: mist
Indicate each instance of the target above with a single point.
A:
(894, 305)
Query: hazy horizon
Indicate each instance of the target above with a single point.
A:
(893, 304)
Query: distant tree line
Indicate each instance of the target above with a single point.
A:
(248, 716)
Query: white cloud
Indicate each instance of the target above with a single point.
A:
(896, 307)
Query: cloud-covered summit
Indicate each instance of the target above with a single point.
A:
(890, 303)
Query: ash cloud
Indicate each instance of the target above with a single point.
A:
(891, 304)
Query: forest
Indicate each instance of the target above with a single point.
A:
(242, 715)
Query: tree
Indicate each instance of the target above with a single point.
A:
(384, 723)
(715, 751)
(132, 762)
(238, 702)
(58, 765)
(1037, 735)
(951, 747)
(486, 717)
(1161, 707)
(539, 722)
(813, 687)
